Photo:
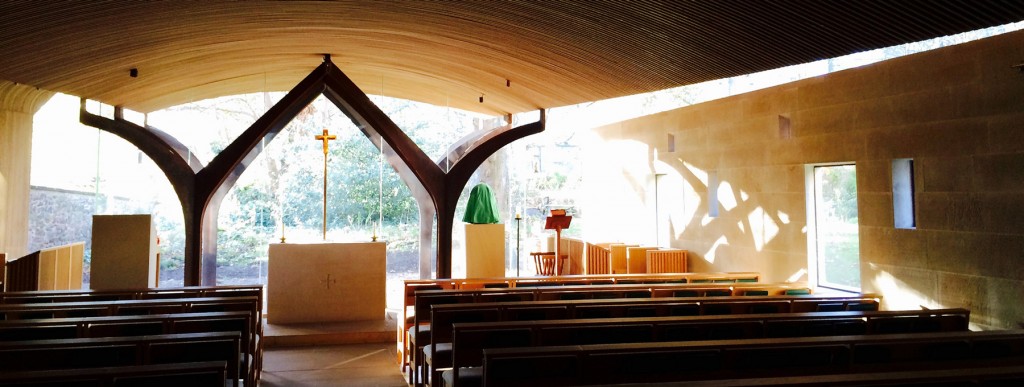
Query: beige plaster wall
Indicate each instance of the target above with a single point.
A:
(17, 105)
(957, 111)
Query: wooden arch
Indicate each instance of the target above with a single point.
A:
(201, 189)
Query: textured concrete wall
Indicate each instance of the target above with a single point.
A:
(957, 111)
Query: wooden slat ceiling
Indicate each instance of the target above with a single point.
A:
(447, 53)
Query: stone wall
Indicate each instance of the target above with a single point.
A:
(958, 112)
(58, 217)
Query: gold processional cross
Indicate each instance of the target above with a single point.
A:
(325, 138)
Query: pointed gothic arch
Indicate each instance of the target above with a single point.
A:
(202, 189)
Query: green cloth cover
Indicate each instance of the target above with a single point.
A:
(482, 208)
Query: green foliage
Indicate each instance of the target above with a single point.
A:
(285, 182)
(840, 191)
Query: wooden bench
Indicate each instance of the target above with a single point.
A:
(728, 359)
(469, 339)
(114, 326)
(248, 304)
(980, 376)
(410, 287)
(51, 296)
(664, 306)
(176, 374)
(40, 355)
(201, 374)
(443, 315)
(418, 331)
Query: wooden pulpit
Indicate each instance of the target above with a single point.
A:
(558, 221)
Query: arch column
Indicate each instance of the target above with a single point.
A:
(18, 103)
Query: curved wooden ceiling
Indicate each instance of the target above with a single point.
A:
(553, 53)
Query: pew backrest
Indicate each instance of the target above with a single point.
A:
(604, 363)
(978, 376)
(123, 351)
(649, 307)
(470, 339)
(251, 341)
(176, 374)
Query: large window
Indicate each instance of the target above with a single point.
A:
(834, 248)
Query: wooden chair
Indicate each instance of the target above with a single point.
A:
(545, 263)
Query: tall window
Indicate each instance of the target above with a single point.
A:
(832, 228)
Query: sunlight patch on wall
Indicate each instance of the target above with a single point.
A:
(800, 275)
(680, 205)
(726, 196)
(699, 173)
(756, 219)
(783, 217)
(615, 182)
(897, 294)
(713, 251)
(771, 229)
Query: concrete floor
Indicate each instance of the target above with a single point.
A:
(371, 364)
(354, 353)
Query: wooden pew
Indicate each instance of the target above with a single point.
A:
(444, 315)
(49, 296)
(469, 339)
(728, 359)
(201, 374)
(114, 326)
(980, 376)
(652, 307)
(40, 355)
(410, 287)
(248, 304)
(409, 319)
(419, 331)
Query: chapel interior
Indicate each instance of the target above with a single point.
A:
(936, 138)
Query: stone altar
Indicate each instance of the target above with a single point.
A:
(325, 282)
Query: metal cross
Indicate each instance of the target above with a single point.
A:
(325, 138)
(328, 281)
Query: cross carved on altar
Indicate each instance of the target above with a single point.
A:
(325, 138)
(328, 281)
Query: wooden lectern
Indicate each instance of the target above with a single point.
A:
(558, 221)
